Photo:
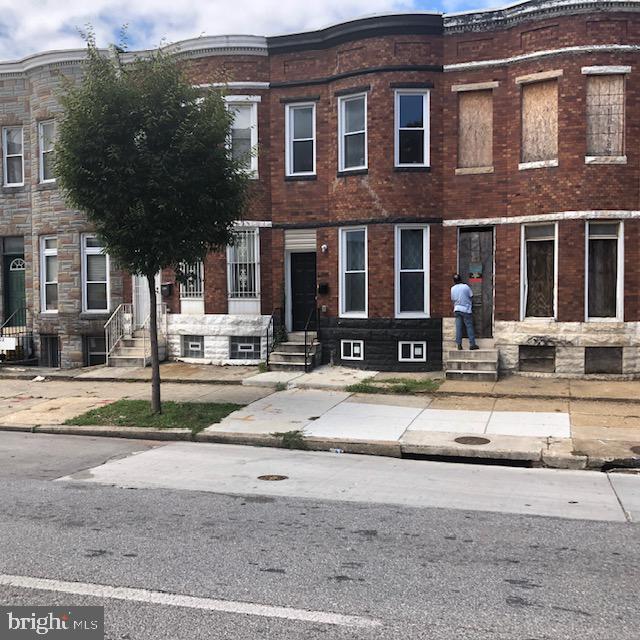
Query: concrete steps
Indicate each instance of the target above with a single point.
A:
(130, 352)
(290, 356)
(479, 365)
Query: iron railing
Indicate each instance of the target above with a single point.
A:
(119, 325)
(308, 346)
(17, 328)
(275, 332)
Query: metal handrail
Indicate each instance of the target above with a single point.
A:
(115, 326)
(6, 329)
(307, 350)
(161, 324)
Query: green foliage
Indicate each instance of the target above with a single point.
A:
(291, 439)
(280, 386)
(143, 153)
(407, 386)
(175, 415)
(262, 367)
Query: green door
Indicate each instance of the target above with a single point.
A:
(15, 298)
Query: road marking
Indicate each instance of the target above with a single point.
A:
(188, 602)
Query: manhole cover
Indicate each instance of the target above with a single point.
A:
(472, 440)
(272, 477)
(636, 450)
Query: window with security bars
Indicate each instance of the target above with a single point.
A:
(245, 348)
(192, 281)
(243, 265)
(411, 271)
(605, 115)
(539, 271)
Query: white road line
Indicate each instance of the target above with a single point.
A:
(189, 602)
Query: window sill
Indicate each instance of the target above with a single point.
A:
(48, 314)
(301, 178)
(603, 320)
(470, 171)
(538, 164)
(347, 316)
(352, 172)
(412, 316)
(534, 319)
(13, 188)
(416, 169)
(605, 159)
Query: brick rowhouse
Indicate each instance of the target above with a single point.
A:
(389, 153)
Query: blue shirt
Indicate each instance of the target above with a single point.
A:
(461, 295)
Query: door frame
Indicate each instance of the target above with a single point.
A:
(288, 291)
(493, 255)
(135, 317)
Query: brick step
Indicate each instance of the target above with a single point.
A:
(295, 347)
(478, 354)
(465, 374)
(298, 336)
(471, 365)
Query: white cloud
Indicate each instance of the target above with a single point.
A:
(41, 25)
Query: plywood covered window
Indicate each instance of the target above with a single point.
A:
(605, 115)
(602, 269)
(475, 129)
(539, 273)
(540, 121)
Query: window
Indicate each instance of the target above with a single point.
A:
(540, 124)
(352, 119)
(301, 139)
(245, 348)
(13, 156)
(539, 271)
(352, 349)
(353, 267)
(243, 265)
(412, 265)
(192, 283)
(49, 351)
(412, 128)
(193, 346)
(95, 273)
(605, 115)
(49, 274)
(244, 131)
(475, 130)
(604, 276)
(46, 140)
(603, 360)
(95, 350)
(412, 351)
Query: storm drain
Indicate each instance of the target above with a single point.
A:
(472, 440)
(273, 477)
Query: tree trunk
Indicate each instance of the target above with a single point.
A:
(153, 335)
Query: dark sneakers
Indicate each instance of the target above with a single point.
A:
(473, 347)
(459, 347)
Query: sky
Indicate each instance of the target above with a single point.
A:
(30, 26)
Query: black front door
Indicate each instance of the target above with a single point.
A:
(475, 264)
(14, 291)
(303, 289)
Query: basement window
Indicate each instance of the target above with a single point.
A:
(537, 358)
(412, 351)
(352, 349)
(193, 346)
(245, 348)
(95, 350)
(603, 360)
(49, 351)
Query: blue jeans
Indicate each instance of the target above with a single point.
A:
(467, 320)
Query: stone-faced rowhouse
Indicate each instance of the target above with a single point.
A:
(392, 151)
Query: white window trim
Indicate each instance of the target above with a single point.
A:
(619, 317)
(6, 155)
(289, 140)
(412, 359)
(523, 274)
(41, 125)
(229, 276)
(93, 251)
(44, 253)
(351, 357)
(342, 100)
(426, 265)
(342, 256)
(253, 102)
(426, 126)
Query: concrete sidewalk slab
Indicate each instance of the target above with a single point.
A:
(271, 378)
(523, 386)
(627, 488)
(54, 411)
(525, 404)
(392, 400)
(335, 378)
(530, 424)
(463, 403)
(451, 421)
(619, 389)
(359, 421)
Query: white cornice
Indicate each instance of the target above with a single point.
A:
(597, 214)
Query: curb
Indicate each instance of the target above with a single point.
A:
(69, 378)
(557, 455)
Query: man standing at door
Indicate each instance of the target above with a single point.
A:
(461, 296)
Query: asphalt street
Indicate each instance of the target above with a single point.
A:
(197, 562)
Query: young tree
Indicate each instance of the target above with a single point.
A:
(144, 154)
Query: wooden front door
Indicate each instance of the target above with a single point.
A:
(303, 289)
(475, 265)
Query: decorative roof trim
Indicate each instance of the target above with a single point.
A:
(509, 15)
(526, 57)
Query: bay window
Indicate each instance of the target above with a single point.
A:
(411, 128)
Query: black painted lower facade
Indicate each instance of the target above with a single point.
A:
(382, 344)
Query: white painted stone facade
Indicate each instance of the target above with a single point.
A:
(217, 330)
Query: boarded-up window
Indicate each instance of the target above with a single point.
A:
(539, 266)
(603, 270)
(537, 358)
(605, 115)
(603, 360)
(475, 129)
(540, 121)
